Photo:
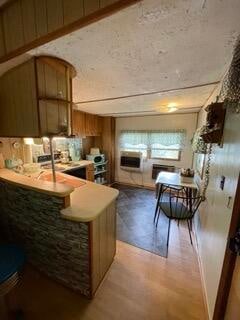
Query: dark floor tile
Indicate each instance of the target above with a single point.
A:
(136, 207)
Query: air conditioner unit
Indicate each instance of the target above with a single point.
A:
(131, 161)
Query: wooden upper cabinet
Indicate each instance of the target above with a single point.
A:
(53, 80)
(35, 98)
(79, 123)
(93, 125)
(18, 103)
(86, 124)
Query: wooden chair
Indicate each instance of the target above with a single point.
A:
(179, 208)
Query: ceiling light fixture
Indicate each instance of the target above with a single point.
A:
(172, 106)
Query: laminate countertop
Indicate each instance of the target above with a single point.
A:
(87, 201)
(53, 189)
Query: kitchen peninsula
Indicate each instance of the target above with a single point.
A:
(67, 228)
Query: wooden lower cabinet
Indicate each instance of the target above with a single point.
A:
(102, 236)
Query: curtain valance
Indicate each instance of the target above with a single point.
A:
(157, 138)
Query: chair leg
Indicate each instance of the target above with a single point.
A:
(157, 204)
(178, 223)
(158, 215)
(156, 211)
(189, 230)
(169, 225)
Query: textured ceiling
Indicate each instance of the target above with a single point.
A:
(150, 47)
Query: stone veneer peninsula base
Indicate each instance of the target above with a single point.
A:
(74, 253)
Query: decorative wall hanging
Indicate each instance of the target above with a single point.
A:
(213, 131)
(229, 98)
(230, 91)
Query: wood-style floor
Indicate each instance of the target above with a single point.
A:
(138, 286)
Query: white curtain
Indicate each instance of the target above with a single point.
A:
(153, 139)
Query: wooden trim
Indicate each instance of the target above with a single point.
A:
(167, 159)
(228, 263)
(134, 185)
(58, 64)
(203, 284)
(90, 249)
(57, 100)
(66, 202)
(37, 92)
(80, 23)
(151, 93)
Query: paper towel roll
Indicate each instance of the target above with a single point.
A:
(1, 161)
(27, 153)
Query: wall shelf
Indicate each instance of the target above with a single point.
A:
(100, 164)
(99, 172)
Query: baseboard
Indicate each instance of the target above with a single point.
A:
(134, 185)
(204, 289)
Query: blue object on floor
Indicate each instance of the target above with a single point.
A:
(12, 259)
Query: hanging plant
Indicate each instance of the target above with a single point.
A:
(198, 145)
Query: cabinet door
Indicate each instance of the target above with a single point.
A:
(53, 117)
(93, 125)
(19, 112)
(53, 79)
(79, 123)
(99, 125)
(90, 124)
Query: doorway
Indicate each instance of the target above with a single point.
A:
(228, 298)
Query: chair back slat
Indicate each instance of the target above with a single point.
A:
(185, 205)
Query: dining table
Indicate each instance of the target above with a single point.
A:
(173, 179)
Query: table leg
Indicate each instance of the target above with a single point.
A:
(190, 199)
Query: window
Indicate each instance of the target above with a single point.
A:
(159, 151)
(136, 147)
(154, 144)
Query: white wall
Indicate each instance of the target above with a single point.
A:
(172, 121)
(214, 216)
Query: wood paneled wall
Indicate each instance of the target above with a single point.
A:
(106, 143)
(103, 244)
(26, 24)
